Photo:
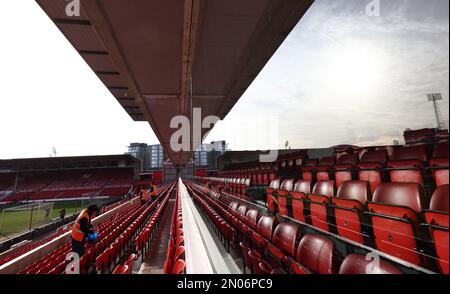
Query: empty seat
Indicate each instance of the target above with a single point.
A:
(318, 203)
(307, 169)
(393, 214)
(343, 170)
(252, 217)
(407, 164)
(324, 168)
(437, 218)
(284, 240)
(242, 211)
(274, 186)
(264, 231)
(283, 196)
(301, 189)
(234, 206)
(438, 212)
(439, 164)
(316, 254)
(357, 264)
(371, 166)
(440, 238)
(348, 208)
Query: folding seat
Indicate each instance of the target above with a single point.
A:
(358, 264)
(179, 267)
(439, 164)
(348, 208)
(307, 170)
(301, 189)
(370, 168)
(242, 212)
(264, 231)
(394, 218)
(343, 170)
(407, 164)
(324, 168)
(438, 212)
(319, 200)
(234, 206)
(437, 222)
(283, 196)
(270, 191)
(179, 253)
(440, 238)
(252, 217)
(284, 241)
(316, 254)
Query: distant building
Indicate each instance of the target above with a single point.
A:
(152, 156)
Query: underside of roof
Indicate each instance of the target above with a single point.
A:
(162, 58)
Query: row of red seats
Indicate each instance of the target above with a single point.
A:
(269, 247)
(175, 260)
(407, 164)
(126, 268)
(395, 220)
(219, 218)
(131, 229)
(145, 237)
(55, 261)
(19, 251)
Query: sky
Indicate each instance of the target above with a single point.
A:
(341, 76)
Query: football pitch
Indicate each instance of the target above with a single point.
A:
(12, 222)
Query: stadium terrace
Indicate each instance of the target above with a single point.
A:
(375, 206)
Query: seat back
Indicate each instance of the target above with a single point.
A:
(252, 218)
(317, 254)
(355, 190)
(303, 186)
(396, 196)
(287, 185)
(266, 226)
(324, 188)
(285, 238)
(441, 238)
(438, 212)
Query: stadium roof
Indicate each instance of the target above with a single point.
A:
(160, 59)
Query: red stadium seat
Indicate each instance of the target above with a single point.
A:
(179, 267)
(440, 238)
(324, 168)
(357, 264)
(407, 164)
(439, 164)
(271, 193)
(438, 212)
(307, 169)
(316, 254)
(318, 203)
(343, 170)
(371, 166)
(283, 196)
(349, 207)
(301, 189)
(284, 240)
(393, 214)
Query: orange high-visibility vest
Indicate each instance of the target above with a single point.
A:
(76, 233)
(154, 191)
(144, 194)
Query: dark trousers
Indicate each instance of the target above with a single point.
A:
(78, 247)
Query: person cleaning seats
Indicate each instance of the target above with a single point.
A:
(82, 229)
